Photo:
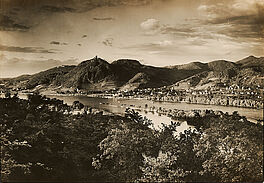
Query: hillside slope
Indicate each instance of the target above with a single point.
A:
(248, 72)
(98, 75)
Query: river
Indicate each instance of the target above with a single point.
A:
(118, 106)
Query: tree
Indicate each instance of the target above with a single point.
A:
(77, 105)
(7, 94)
(123, 149)
(177, 161)
(231, 151)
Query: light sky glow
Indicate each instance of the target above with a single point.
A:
(36, 35)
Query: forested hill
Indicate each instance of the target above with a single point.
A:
(97, 75)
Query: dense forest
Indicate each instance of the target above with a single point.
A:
(39, 143)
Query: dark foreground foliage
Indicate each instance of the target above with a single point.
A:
(40, 144)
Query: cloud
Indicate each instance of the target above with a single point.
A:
(165, 48)
(58, 43)
(103, 18)
(246, 26)
(26, 49)
(197, 42)
(22, 15)
(164, 45)
(91, 4)
(56, 9)
(108, 42)
(151, 26)
(55, 42)
(88, 5)
(17, 66)
(180, 30)
(8, 24)
(241, 20)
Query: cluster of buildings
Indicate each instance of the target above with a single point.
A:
(229, 96)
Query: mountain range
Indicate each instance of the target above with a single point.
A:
(98, 75)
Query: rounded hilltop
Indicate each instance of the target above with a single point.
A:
(126, 62)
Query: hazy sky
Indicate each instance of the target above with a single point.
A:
(40, 34)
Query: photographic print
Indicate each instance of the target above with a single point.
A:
(131, 90)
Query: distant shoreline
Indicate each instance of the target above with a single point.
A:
(131, 98)
(135, 98)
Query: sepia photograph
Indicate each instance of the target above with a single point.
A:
(131, 91)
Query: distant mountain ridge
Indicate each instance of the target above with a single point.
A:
(191, 66)
(98, 75)
(248, 72)
(251, 61)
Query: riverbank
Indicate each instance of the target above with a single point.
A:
(118, 105)
(218, 101)
(192, 99)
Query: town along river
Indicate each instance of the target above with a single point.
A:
(119, 105)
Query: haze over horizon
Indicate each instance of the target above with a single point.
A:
(39, 34)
